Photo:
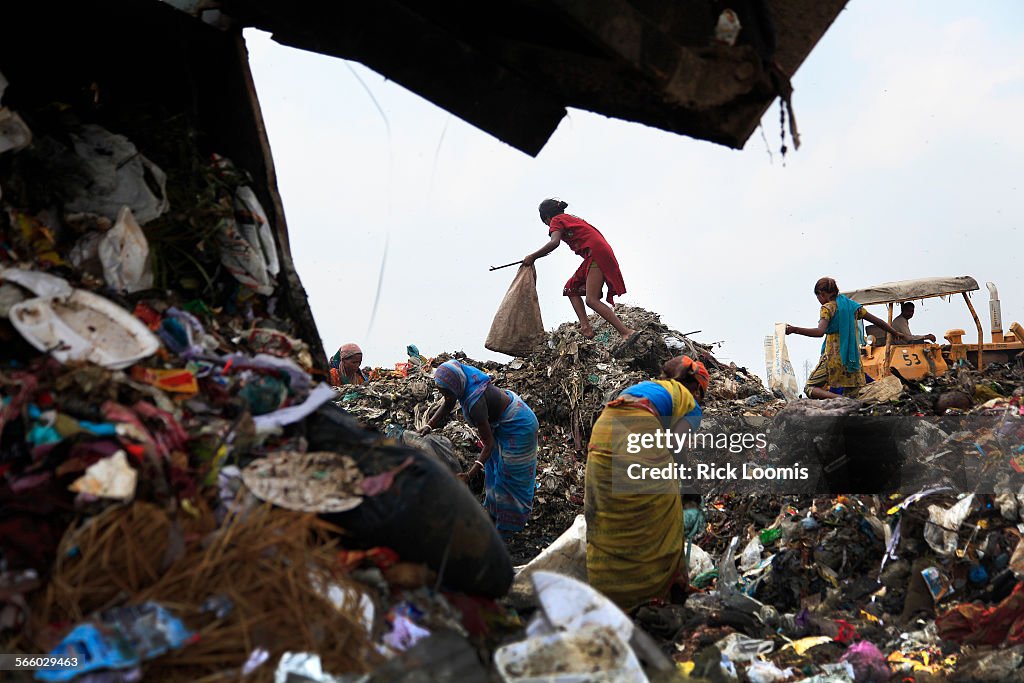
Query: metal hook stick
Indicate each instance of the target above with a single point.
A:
(505, 266)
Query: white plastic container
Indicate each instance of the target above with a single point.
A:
(84, 326)
(14, 132)
(727, 30)
(591, 654)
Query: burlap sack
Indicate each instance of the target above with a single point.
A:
(517, 327)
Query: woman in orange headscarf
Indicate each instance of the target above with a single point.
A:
(635, 536)
(345, 366)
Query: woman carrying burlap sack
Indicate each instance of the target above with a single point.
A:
(599, 267)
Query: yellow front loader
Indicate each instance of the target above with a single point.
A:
(916, 360)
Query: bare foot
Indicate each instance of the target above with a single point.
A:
(628, 335)
(587, 332)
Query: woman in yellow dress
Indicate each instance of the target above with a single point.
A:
(635, 538)
(839, 371)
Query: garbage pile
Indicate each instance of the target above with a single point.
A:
(919, 582)
(180, 500)
(913, 576)
(851, 588)
(566, 381)
(830, 589)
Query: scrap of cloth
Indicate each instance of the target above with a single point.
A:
(349, 350)
(345, 351)
(466, 382)
(634, 540)
(972, 624)
(587, 241)
(700, 371)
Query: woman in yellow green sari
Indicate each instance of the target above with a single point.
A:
(635, 539)
(839, 371)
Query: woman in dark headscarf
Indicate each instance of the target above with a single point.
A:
(599, 266)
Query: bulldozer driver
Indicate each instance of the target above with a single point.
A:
(901, 323)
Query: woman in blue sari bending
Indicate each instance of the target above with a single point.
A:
(508, 430)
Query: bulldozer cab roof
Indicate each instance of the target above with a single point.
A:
(906, 290)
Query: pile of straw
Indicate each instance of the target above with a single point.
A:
(267, 563)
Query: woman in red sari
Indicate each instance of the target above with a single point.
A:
(599, 266)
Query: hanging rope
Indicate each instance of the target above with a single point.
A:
(785, 89)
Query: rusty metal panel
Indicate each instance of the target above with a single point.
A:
(512, 67)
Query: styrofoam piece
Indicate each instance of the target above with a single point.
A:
(37, 282)
(84, 326)
(591, 654)
(566, 555)
(14, 132)
(570, 604)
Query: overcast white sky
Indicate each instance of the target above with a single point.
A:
(910, 116)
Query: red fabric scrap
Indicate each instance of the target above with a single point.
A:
(380, 556)
(972, 624)
(847, 632)
(378, 484)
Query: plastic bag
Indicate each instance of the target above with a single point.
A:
(426, 515)
(751, 555)
(943, 526)
(740, 648)
(567, 555)
(245, 240)
(252, 222)
(124, 252)
(117, 175)
(882, 390)
(119, 638)
(517, 327)
(435, 444)
(728, 576)
(781, 376)
(243, 259)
